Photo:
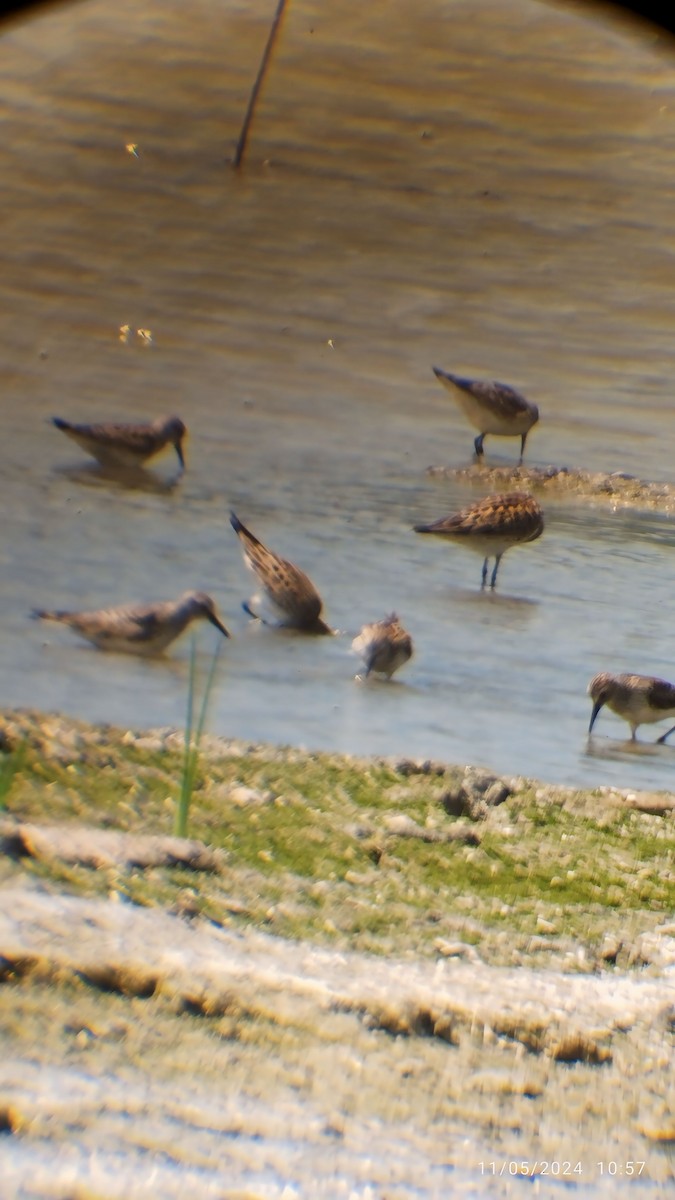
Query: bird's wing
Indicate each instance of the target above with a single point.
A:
(133, 623)
(662, 694)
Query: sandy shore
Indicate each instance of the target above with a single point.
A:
(318, 1049)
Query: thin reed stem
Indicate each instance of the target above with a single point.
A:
(259, 80)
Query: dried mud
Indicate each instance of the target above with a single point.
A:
(615, 489)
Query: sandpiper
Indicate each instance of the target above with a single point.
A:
(385, 646)
(124, 445)
(291, 596)
(492, 526)
(491, 407)
(639, 699)
(138, 628)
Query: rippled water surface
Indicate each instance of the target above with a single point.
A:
(478, 184)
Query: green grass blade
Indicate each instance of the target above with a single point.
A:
(180, 824)
(191, 754)
(207, 691)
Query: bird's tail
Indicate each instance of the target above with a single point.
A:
(45, 614)
(241, 529)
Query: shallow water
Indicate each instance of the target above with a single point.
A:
(481, 185)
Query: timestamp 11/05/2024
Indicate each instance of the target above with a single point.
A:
(559, 1168)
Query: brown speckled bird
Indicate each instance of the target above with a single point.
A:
(385, 646)
(122, 445)
(138, 628)
(491, 407)
(492, 526)
(293, 600)
(639, 699)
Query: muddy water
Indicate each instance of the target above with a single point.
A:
(481, 185)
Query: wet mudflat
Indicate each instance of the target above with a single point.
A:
(289, 1068)
(348, 955)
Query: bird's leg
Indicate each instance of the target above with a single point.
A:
(246, 605)
(483, 578)
(523, 439)
(660, 741)
(478, 444)
(494, 573)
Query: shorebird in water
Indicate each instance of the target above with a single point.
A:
(138, 628)
(384, 645)
(491, 407)
(639, 699)
(491, 527)
(290, 595)
(125, 445)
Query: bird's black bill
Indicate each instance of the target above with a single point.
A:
(596, 709)
(218, 624)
